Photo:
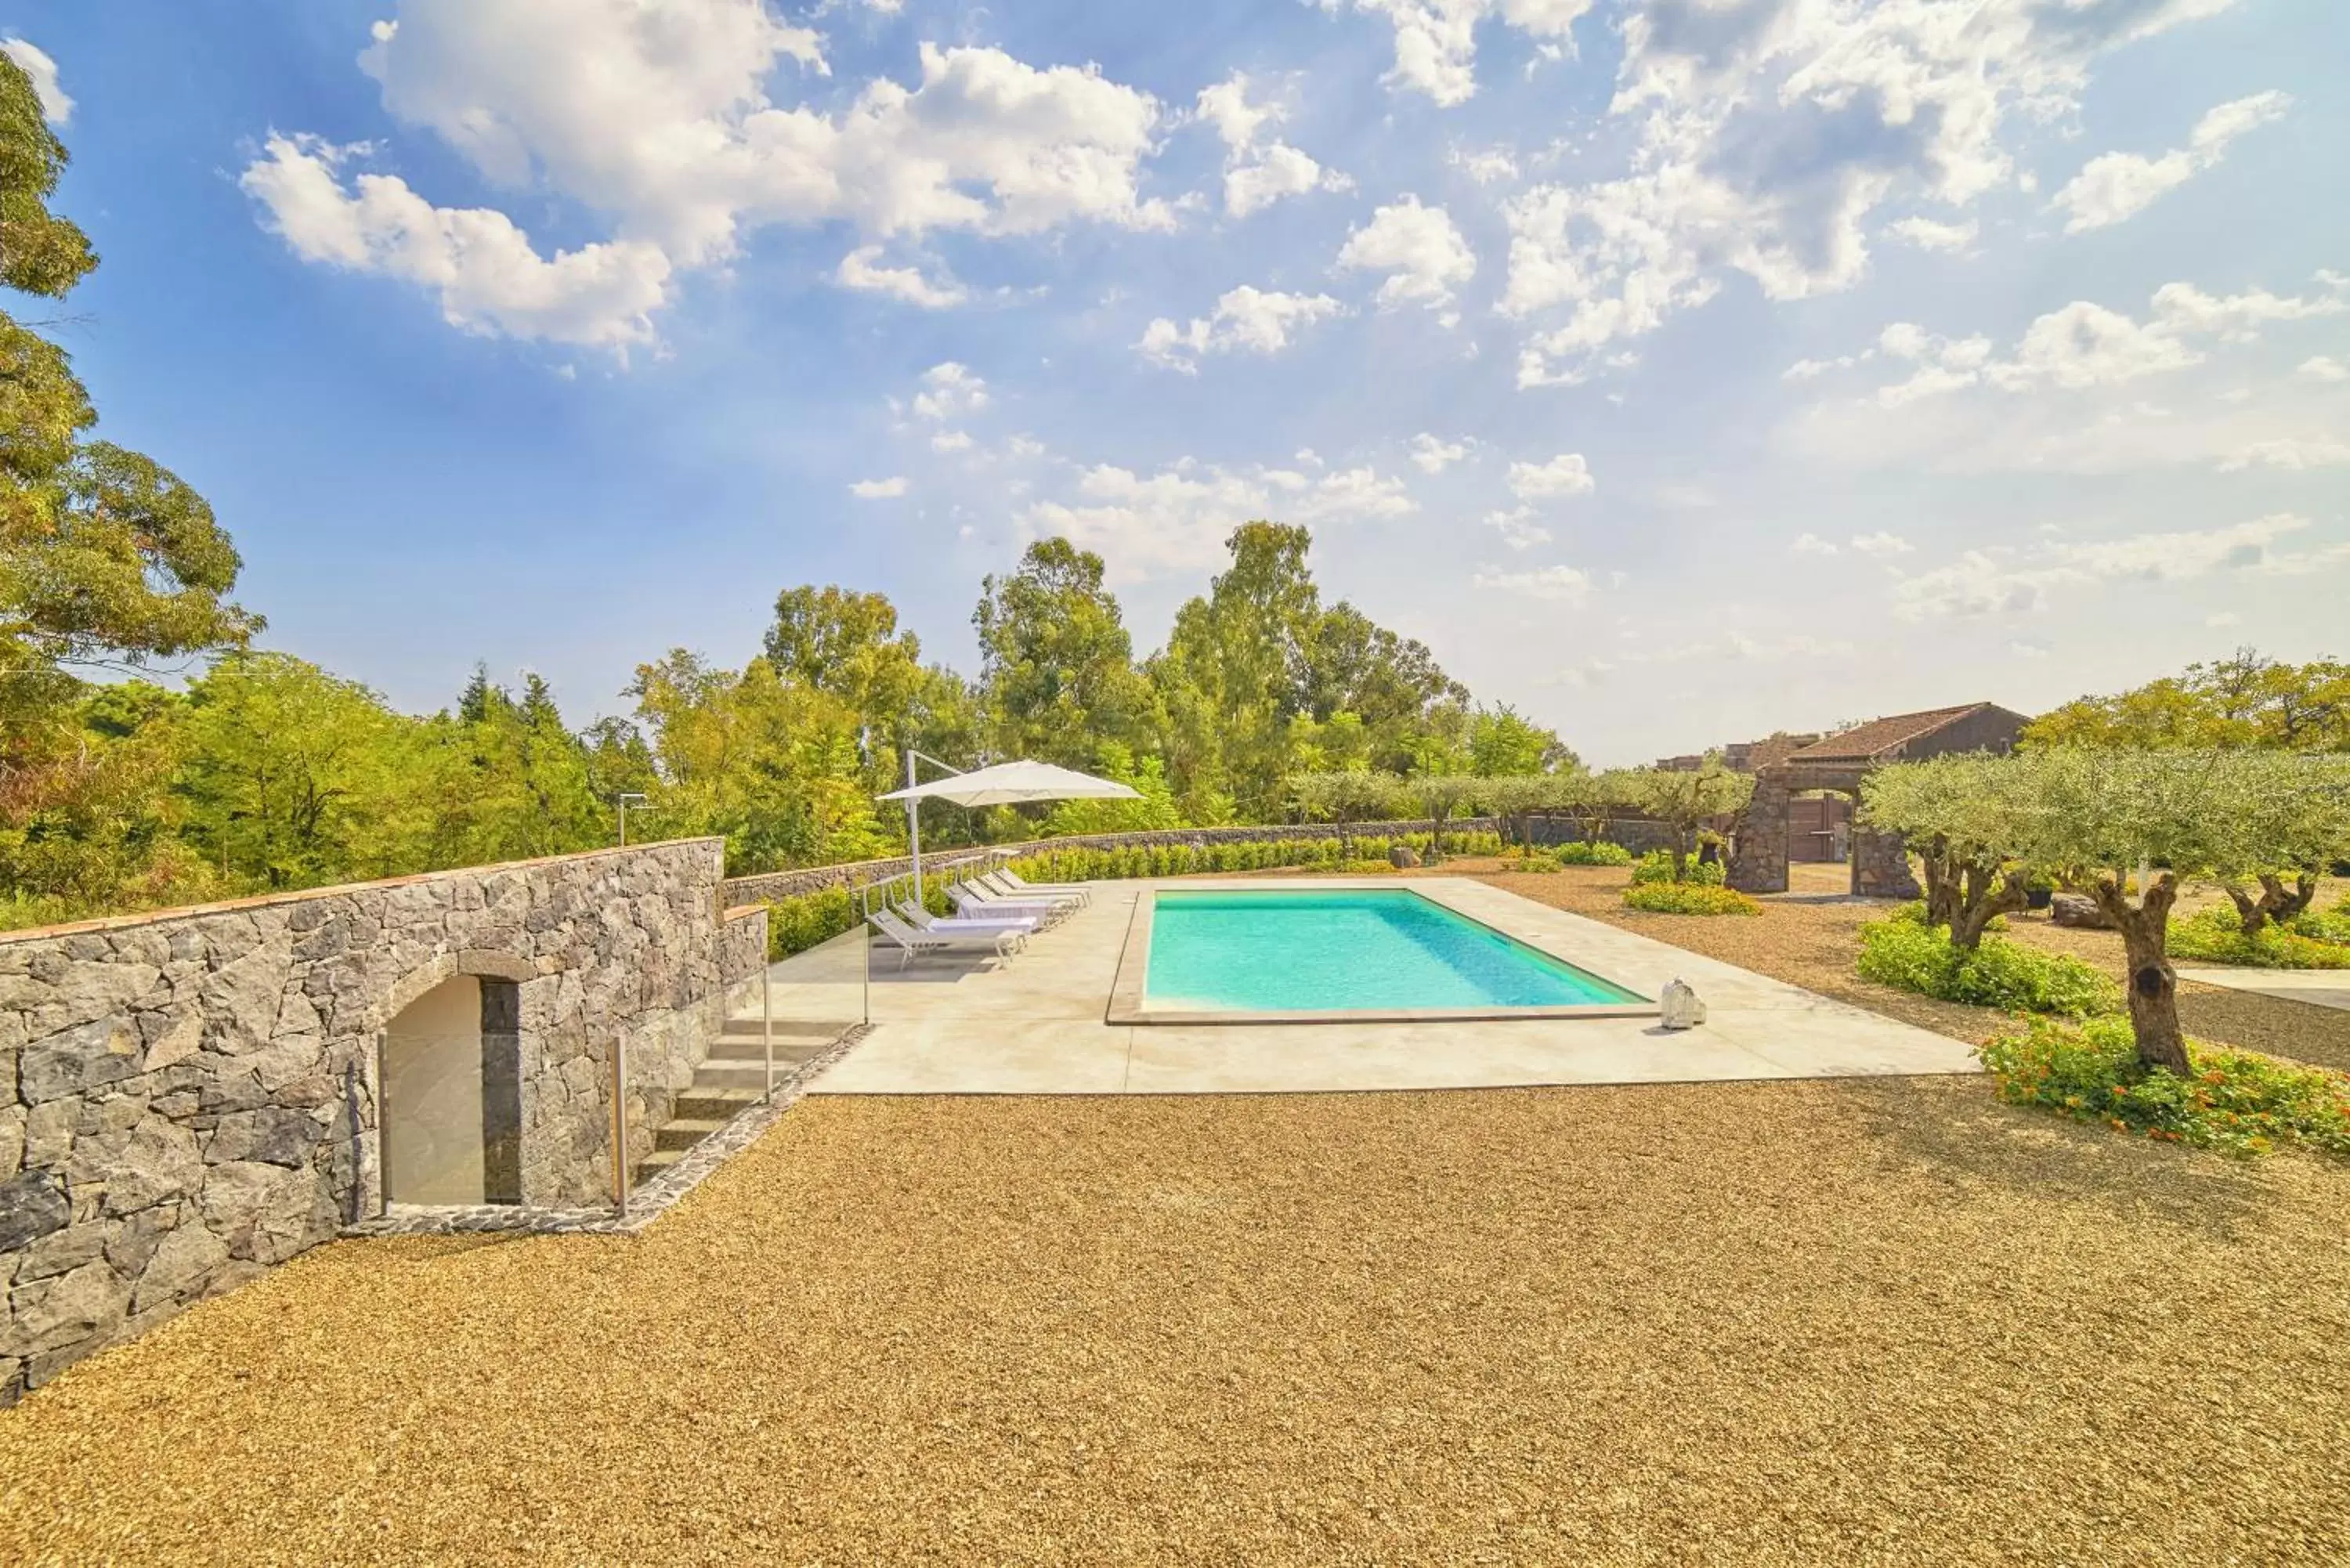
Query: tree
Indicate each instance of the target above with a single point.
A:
(1601, 797)
(1055, 661)
(1957, 815)
(1688, 800)
(2241, 700)
(2092, 817)
(1345, 798)
(1516, 798)
(1502, 743)
(106, 559)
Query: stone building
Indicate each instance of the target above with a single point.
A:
(1836, 765)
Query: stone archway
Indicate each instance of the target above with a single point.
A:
(1880, 862)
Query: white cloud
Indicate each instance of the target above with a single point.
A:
(1419, 249)
(2082, 345)
(1929, 235)
(878, 489)
(56, 107)
(2318, 367)
(949, 392)
(1518, 528)
(861, 269)
(1436, 40)
(1257, 176)
(2005, 580)
(1812, 545)
(1488, 165)
(1177, 519)
(2120, 185)
(1564, 475)
(1559, 585)
(1244, 318)
(952, 441)
(1882, 545)
(1769, 132)
(659, 121)
(2286, 452)
(488, 277)
(1430, 454)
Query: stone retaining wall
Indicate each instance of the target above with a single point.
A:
(188, 1097)
(768, 887)
(1637, 834)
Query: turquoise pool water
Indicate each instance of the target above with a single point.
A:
(1380, 948)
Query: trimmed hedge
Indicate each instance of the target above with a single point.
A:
(2216, 935)
(1193, 859)
(1657, 866)
(1688, 899)
(1913, 956)
(2236, 1102)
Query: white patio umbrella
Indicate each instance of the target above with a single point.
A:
(1004, 783)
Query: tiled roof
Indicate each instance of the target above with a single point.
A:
(1881, 735)
(1771, 751)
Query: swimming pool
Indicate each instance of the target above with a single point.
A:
(1352, 952)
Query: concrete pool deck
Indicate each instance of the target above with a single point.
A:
(1037, 1025)
(2318, 987)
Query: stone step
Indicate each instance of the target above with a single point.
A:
(703, 1100)
(681, 1133)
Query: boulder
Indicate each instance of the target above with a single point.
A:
(1403, 857)
(2079, 911)
(32, 1205)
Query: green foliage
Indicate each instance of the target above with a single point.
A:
(1057, 664)
(1594, 852)
(2236, 1102)
(1914, 911)
(1688, 801)
(1087, 865)
(1154, 813)
(2326, 925)
(1912, 956)
(2216, 935)
(1671, 898)
(1657, 866)
(2242, 700)
(798, 924)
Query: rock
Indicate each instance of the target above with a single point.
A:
(31, 1204)
(182, 1265)
(74, 1307)
(2079, 911)
(270, 1135)
(77, 1061)
(182, 1036)
(62, 1252)
(266, 1212)
(159, 1161)
(1403, 857)
(12, 1140)
(243, 1000)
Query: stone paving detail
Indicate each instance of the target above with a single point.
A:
(189, 1097)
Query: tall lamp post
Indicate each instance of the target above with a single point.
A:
(624, 816)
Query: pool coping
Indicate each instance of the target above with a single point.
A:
(1126, 994)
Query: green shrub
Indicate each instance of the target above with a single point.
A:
(1688, 899)
(1913, 956)
(2216, 935)
(1598, 852)
(1914, 911)
(2238, 1102)
(1657, 866)
(797, 924)
(1534, 860)
(2324, 925)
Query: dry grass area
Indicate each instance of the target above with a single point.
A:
(1808, 937)
(1860, 1321)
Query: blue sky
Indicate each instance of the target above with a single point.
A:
(1677, 371)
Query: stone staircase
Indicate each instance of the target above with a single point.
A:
(733, 1079)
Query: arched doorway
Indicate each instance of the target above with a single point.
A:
(453, 1097)
(433, 1145)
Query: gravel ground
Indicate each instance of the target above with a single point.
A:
(1859, 1321)
(1807, 937)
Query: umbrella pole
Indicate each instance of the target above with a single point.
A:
(914, 829)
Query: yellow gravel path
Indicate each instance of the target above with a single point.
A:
(1883, 1321)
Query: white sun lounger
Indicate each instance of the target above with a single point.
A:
(970, 902)
(1008, 882)
(913, 944)
(921, 919)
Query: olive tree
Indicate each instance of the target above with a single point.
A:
(1688, 801)
(1962, 816)
(1516, 798)
(1439, 796)
(1346, 798)
(1599, 798)
(2091, 816)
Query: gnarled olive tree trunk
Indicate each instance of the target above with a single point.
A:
(1986, 893)
(2276, 903)
(2152, 983)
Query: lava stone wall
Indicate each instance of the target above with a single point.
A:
(770, 886)
(189, 1097)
